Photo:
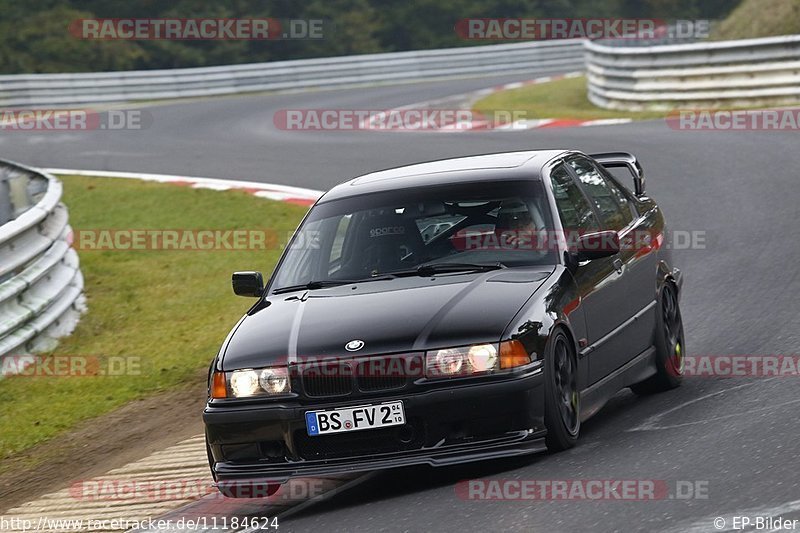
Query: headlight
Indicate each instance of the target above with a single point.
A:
(251, 382)
(476, 359)
(274, 380)
(462, 361)
(482, 358)
(448, 362)
(244, 383)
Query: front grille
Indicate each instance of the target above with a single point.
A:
(328, 379)
(387, 373)
(378, 383)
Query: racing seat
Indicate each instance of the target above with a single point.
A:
(384, 242)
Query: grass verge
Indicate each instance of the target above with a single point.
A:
(760, 18)
(560, 99)
(165, 313)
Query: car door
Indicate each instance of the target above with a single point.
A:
(640, 241)
(597, 280)
(618, 284)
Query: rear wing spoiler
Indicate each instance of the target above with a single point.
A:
(624, 160)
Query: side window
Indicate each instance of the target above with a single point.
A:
(611, 202)
(622, 199)
(573, 209)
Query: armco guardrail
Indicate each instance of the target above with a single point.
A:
(41, 286)
(32, 90)
(710, 74)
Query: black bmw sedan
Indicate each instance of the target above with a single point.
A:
(446, 312)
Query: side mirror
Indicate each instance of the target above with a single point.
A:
(248, 284)
(598, 245)
(624, 160)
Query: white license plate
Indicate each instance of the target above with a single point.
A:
(355, 418)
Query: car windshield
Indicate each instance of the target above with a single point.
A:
(449, 228)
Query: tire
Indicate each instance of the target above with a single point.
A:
(562, 398)
(670, 345)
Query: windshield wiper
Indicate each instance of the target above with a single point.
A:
(320, 284)
(429, 269)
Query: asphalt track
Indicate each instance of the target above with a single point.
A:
(741, 188)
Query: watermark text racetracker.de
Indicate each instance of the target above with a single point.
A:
(538, 29)
(400, 119)
(174, 239)
(197, 29)
(57, 120)
(141, 490)
(638, 241)
(734, 119)
(186, 239)
(747, 365)
(60, 365)
(581, 490)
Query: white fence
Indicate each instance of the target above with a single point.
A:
(36, 90)
(726, 73)
(749, 72)
(41, 286)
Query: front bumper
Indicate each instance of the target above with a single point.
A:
(449, 424)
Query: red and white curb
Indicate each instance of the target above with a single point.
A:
(110, 502)
(169, 490)
(477, 122)
(270, 191)
(523, 125)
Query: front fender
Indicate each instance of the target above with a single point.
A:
(555, 304)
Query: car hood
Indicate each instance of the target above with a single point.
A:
(392, 316)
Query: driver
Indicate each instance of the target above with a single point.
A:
(516, 227)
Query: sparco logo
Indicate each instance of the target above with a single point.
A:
(354, 345)
(388, 230)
